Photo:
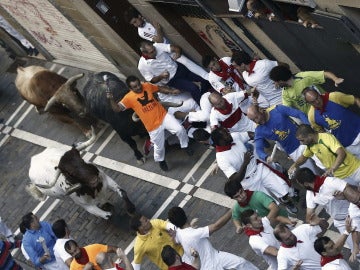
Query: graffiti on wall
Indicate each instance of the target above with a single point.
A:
(211, 33)
(48, 26)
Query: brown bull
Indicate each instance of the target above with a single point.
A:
(50, 92)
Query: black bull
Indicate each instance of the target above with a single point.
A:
(94, 93)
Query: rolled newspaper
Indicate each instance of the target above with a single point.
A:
(41, 240)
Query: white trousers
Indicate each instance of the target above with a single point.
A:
(157, 136)
(266, 181)
(194, 68)
(225, 260)
(354, 148)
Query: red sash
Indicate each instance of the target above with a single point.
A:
(232, 119)
(228, 107)
(228, 71)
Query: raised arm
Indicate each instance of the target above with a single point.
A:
(220, 222)
(333, 77)
(116, 107)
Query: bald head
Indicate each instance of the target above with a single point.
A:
(257, 114)
(217, 100)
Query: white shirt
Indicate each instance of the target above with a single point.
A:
(150, 68)
(198, 239)
(231, 160)
(288, 257)
(339, 264)
(61, 254)
(261, 80)
(337, 209)
(148, 32)
(202, 115)
(218, 83)
(260, 243)
(238, 101)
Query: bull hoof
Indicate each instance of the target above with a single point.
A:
(141, 161)
(108, 207)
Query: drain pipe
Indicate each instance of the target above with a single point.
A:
(225, 28)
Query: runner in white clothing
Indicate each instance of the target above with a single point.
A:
(297, 246)
(62, 232)
(237, 162)
(261, 237)
(198, 239)
(153, 32)
(256, 74)
(228, 111)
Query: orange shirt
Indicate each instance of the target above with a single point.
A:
(150, 111)
(92, 251)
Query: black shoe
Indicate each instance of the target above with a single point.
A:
(35, 52)
(189, 151)
(163, 166)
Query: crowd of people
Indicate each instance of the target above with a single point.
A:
(239, 106)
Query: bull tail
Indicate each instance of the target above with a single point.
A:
(35, 192)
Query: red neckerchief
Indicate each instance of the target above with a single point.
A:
(147, 57)
(228, 71)
(228, 108)
(223, 148)
(84, 258)
(325, 99)
(249, 193)
(117, 267)
(286, 246)
(326, 259)
(319, 181)
(249, 232)
(251, 67)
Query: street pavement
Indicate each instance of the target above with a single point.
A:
(189, 183)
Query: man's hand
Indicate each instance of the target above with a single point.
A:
(339, 195)
(348, 227)
(89, 266)
(175, 92)
(239, 229)
(194, 253)
(292, 170)
(227, 89)
(165, 75)
(120, 253)
(298, 264)
(329, 172)
(248, 156)
(338, 81)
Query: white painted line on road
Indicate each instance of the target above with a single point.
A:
(53, 66)
(18, 122)
(147, 176)
(16, 112)
(106, 141)
(39, 140)
(206, 174)
(50, 208)
(4, 140)
(61, 70)
(213, 197)
(196, 166)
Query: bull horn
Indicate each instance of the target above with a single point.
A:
(50, 103)
(82, 145)
(171, 104)
(72, 189)
(53, 182)
(135, 117)
(74, 78)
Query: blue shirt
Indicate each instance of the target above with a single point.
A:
(279, 128)
(34, 248)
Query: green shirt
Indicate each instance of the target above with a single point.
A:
(292, 97)
(259, 202)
